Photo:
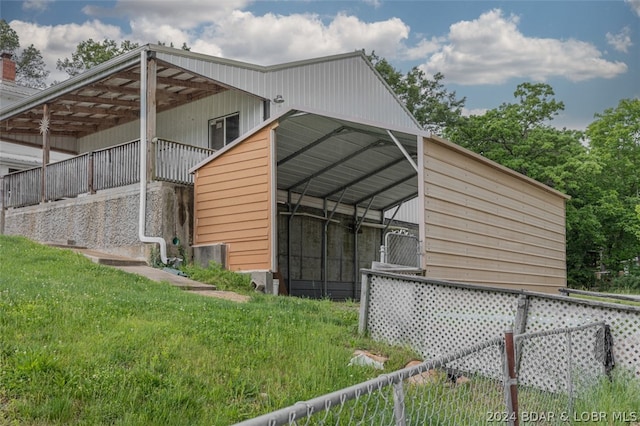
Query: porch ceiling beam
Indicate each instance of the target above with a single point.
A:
(313, 144)
(365, 176)
(77, 109)
(161, 94)
(170, 81)
(59, 118)
(36, 132)
(100, 101)
(386, 188)
(337, 163)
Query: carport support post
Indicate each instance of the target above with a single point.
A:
(289, 222)
(325, 266)
(356, 228)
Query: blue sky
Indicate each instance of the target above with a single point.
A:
(588, 51)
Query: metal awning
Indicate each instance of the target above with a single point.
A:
(345, 161)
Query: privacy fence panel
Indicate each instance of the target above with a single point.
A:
(430, 317)
(436, 317)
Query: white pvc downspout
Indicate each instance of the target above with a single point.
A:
(143, 162)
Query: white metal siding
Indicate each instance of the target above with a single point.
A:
(343, 85)
(187, 124)
(346, 87)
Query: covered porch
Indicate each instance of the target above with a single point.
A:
(110, 117)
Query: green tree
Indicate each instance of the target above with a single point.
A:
(90, 53)
(9, 40)
(30, 68)
(614, 141)
(433, 106)
(519, 135)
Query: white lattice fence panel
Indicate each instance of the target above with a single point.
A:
(436, 319)
(549, 313)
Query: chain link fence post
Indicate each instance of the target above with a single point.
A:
(510, 382)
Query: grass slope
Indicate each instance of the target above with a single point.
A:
(87, 344)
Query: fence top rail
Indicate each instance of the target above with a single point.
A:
(307, 408)
(477, 287)
(156, 139)
(116, 146)
(627, 297)
(559, 330)
(24, 171)
(86, 154)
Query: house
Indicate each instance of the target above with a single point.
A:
(15, 155)
(295, 166)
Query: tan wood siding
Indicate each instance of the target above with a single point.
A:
(233, 203)
(486, 225)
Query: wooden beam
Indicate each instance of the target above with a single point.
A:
(35, 132)
(203, 85)
(44, 129)
(100, 101)
(152, 67)
(76, 109)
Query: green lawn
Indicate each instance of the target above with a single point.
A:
(87, 344)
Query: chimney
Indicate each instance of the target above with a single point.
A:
(8, 69)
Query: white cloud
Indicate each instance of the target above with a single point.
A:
(271, 38)
(58, 42)
(491, 50)
(467, 112)
(182, 14)
(221, 29)
(635, 6)
(423, 49)
(621, 41)
(36, 5)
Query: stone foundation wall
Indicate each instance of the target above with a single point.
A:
(108, 220)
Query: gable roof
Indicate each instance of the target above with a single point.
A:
(108, 94)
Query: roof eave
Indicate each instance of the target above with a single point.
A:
(92, 75)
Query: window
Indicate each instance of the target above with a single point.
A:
(223, 130)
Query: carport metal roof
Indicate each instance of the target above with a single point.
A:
(342, 160)
(345, 161)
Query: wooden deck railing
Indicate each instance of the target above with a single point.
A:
(67, 178)
(23, 188)
(102, 169)
(116, 166)
(174, 159)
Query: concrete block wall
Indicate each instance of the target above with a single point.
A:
(306, 253)
(108, 220)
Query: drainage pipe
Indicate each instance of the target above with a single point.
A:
(143, 162)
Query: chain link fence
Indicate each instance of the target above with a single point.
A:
(469, 387)
(401, 248)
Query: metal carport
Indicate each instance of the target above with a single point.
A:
(335, 165)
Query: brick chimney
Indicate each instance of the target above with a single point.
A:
(8, 69)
